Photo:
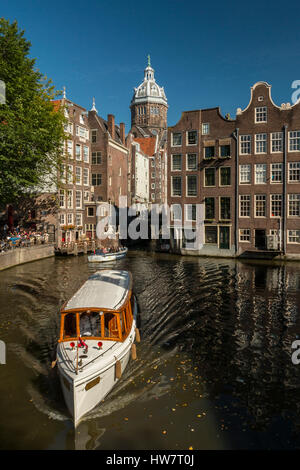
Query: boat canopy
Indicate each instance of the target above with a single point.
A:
(106, 289)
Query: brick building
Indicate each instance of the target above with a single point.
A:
(109, 166)
(75, 173)
(246, 173)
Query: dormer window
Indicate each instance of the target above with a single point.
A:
(261, 114)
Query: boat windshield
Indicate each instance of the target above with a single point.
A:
(90, 324)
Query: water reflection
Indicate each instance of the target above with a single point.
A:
(214, 366)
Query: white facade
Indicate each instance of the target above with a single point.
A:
(141, 176)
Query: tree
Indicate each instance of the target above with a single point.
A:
(31, 131)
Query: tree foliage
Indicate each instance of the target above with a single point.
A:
(31, 131)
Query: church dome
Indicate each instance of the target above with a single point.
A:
(149, 91)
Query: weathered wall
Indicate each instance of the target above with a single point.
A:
(25, 255)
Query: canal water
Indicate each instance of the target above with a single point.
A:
(214, 368)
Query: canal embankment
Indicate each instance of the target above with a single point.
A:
(23, 255)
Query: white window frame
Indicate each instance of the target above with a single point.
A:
(258, 173)
(176, 145)
(205, 128)
(249, 171)
(248, 202)
(172, 161)
(274, 169)
(276, 137)
(273, 199)
(294, 169)
(293, 234)
(260, 112)
(295, 137)
(260, 143)
(296, 202)
(187, 162)
(187, 185)
(256, 200)
(245, 143)
(241, 234)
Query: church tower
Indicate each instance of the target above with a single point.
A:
(149, 105)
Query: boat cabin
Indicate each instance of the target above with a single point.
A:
(102, 309)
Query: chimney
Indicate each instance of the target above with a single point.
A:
(111, 125)
(122, 132)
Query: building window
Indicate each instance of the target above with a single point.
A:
(176, 163)
(260, 173)
(225, 151)
(244, 235)
(78, 175)
(261, 114)
(78, 199)
(260, 143)
(86, 196)
(152, 185)
(96, 179)
(245, 144)
(293, 236)
(86, 176)
(176, 139)
(260, 205)
(276, 142)
(192, 137)
(70, 148)
(69, 174)
(192, 185)
(225, 176)
(276, 173)
(191, 161)
(70, 219)
(205, 128)
(209, 177)
(70, 199)
(176, 212)
(176, 185)
(90, 212)
(190, 212)
(211, 235)
(245, 205)
(225, 208)
(85, 154)
(152, 196)
(78, 152)
(96, 158)
(209, 152)
(294, 172)
(94, 136)
(79, 220)
(69, 128)
(62, 219)
(209, 208)
(294, 205)
(245, 174)
(276, 200)
(294, 141)
(62, 198)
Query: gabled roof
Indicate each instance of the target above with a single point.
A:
(147, 144)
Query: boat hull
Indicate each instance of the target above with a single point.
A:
(106, 257)
(82, 395)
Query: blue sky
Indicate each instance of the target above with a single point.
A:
(205, 54)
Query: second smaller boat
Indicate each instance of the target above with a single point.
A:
(100, 256)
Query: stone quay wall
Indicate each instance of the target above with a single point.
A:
(18, 256)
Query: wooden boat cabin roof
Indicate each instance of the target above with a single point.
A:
(105, 289)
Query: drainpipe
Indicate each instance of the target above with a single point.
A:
(236, 189)
(284, 201)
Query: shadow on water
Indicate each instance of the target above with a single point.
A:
(214, 365)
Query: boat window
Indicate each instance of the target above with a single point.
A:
(90, 324)
(128, 317)
(110, 326)
(70, 325)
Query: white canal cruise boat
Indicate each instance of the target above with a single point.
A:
(97, 334)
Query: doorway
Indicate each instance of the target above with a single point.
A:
(260, 239)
